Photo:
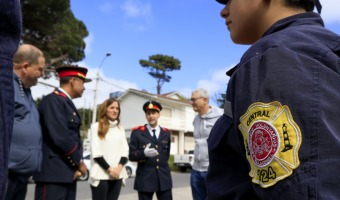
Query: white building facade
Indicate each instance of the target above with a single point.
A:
(177, 115)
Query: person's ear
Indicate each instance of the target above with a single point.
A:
(72, 80)
(24, 67)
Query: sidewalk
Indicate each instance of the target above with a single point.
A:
(177, 193)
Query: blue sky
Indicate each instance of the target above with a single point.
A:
(189, 30)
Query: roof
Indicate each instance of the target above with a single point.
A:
(171, 96)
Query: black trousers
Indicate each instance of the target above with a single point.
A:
(161, 195)
(16, 187)
(56, 191)
(107, 190)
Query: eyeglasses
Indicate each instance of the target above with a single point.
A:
(195, 99)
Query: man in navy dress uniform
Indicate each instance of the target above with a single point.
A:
(150, 147)
(62, 149)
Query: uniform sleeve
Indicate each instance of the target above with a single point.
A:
(299, 84)
(56, 125)
(135, 154)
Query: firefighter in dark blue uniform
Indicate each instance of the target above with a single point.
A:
(62, 160)
(150, 147)
(279, 136)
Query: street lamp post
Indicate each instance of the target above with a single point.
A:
(94, 114)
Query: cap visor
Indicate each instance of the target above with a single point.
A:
(222, 1)
(86, 80)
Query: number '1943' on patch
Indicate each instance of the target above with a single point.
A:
(272, 140)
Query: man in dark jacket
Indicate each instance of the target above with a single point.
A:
(150, 147)
(62, 149)
(10, 30)
(25, 152)
(281, 122)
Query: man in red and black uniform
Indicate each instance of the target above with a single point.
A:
(150, 147)
(62, 160)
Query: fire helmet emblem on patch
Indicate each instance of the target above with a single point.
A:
(263, 143)
(272, 140)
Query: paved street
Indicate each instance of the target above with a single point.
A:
(181, 189)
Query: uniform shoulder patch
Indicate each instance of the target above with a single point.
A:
(272, 140)
(142, 128)
(59, 93)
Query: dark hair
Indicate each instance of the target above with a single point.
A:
(308, 5)
(102, 119)
(65, 80)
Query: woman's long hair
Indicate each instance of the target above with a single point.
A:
(103, 121)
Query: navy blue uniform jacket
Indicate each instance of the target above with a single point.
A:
(10, 32)
(62, 149)
(281, 131)
(153, 174)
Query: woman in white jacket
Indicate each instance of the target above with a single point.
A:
(109, 149)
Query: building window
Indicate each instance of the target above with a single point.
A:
(167, 112)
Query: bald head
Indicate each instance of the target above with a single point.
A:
(28, 64)
(29, 53)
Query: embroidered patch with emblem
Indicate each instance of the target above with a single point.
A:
(272, 140)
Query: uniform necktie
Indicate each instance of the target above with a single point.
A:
(154, 134)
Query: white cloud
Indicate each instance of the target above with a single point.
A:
(88, 41)
(138, 15)
(136, 9)
(217, 83)
(330, 11)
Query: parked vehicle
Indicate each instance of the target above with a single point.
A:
(184, 161)
(129, 166)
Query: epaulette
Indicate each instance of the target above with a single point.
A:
(59, 93)
(142, 128)
(165, 129)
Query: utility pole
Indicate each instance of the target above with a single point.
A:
(94, 114)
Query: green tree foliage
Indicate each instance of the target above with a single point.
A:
(51, 26)
(85, 115)
(158, 66)
(38, 100)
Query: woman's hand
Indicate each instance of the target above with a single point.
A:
(115, 171)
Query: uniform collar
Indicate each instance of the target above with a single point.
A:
(63, 91)
(157, 128)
